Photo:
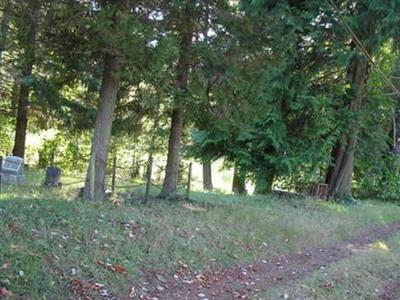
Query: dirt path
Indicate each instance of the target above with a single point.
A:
(391, 291)
(246, 280)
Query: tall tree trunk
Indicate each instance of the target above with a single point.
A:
(239, 181)
(25, 85)
(207, 176)
(264, 181)
(94, 185)
(340, 174)
(171, 179)
(169, 189)
(396, 113)
(22, 121)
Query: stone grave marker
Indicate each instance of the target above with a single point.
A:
(321, 191)
(53, 175)
(12, 170)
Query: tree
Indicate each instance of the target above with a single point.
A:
(95, 179)
(189, 18)
(339, 176)
(239, 181)
(376, 160)
(266, 109)
(27, 34)
(368, 38)
(121, 65)
(185, 32)
(207, 176)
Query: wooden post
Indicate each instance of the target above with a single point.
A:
(148, 175)
(321, 191)
(189, 181)
(149, 170)
(1, 165)
(114, 169)
(92, 175)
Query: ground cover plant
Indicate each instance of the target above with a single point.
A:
(54, 246)
(363, 276)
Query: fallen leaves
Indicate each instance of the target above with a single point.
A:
(4, 293)
(115, 268)
(5, 265)
(13, 227)
(119, 269)
(133, 228)
(132, 293)
(327, 285)
(83, 288)
(239, 295)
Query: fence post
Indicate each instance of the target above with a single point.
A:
(1, 180)
(148, 175)
(114, 170)
(92, 179)
(189, 181)
(149, 170)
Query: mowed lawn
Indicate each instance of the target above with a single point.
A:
(51, 242)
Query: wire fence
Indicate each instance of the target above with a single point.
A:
(112, 181)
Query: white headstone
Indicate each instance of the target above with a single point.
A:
(12, 170)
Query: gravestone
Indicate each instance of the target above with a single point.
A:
(53, 175)
(12, 170)
(321, 191)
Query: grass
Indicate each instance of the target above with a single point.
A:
(48, 239)
(363, 276)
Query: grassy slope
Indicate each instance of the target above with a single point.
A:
(50, 241)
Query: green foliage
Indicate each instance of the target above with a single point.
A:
(5, 136)
(268, 87)
(378, 177)
(47, 153)
(377, 164)
(69, 152)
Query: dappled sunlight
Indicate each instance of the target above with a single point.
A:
(194, 208)
(337, 207)
(377, 245)
(356, 249)
(380, 245)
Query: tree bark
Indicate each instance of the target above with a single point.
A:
(264, 181)
(340, 174)
(169, 189)
(25, 86)
(396, 112)
(95, 179)
(239, 182)
(207, 177)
